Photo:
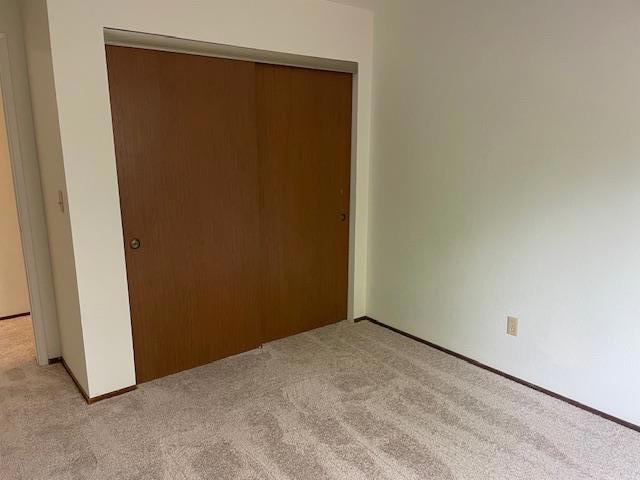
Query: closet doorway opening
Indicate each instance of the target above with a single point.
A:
(234, 171)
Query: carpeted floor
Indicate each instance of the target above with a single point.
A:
(16, 346)
(349, 401)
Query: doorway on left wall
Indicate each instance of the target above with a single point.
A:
(17, 345)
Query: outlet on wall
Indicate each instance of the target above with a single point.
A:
(512, 326)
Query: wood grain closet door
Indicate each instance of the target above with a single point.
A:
(185, 137)
(304, 145)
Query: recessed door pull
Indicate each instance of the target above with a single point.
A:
(134, 244)
(343, 217)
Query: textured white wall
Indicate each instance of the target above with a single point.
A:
(308, 27)
(14, 295)
(506, 181)
(43, 97)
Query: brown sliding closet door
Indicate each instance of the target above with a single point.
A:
(185, 136)
(234, 192)
(304, 149)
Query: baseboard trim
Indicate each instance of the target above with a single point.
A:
(75, 380)
(17, 315)
(99, 398)
(557, 396)
(85, 395)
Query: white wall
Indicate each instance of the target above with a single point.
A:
(14, 295)
(26, 170)
(506, 181)
(307, 27)
(38, 50)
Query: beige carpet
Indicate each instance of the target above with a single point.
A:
(16, 345)
(343, 402)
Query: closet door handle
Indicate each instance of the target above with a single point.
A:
(134, 244)
(343, 217)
